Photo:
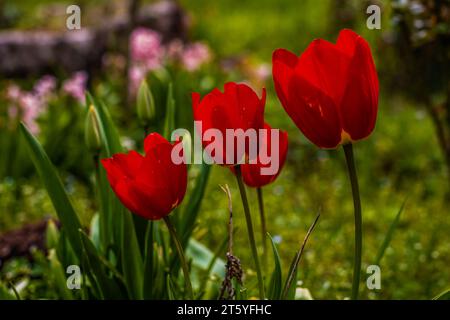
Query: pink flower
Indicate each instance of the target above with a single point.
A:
(175, 49)
(13, 92)
(76, 85)
(146, 48)
(195, 55)
(45, 85)
(31, 106)
(263, 72)
(136, 75)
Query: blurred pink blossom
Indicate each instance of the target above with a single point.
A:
(75, 86)
(136, 75)
(45, 86)
(146, 48)
(263, 72)
(195, 55)
(175, 49)
(31, 106)
(13, 92)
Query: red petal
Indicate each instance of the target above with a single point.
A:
(238, 107)
(315, 113)
(346, 41)
(122, 190)
(122, 166)
(283, 64)
(359, 104)
(324, 66)
(154, 139)
(251, 173)
(152, 202)
(159, 170)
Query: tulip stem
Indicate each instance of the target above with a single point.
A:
(262, 216)
(180, 252)
(251, 235)
(348, 150)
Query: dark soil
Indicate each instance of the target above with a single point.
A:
(19, 242)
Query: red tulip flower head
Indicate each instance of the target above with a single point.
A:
(252, 174)
(238, 108)
(331, 90)
(150, 186)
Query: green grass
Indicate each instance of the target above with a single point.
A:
(400, 160)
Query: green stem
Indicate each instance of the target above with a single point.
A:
(348, 149)
(262, 217)
(251, 235)
(180, 252)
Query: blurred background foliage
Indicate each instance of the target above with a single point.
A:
(406, 158)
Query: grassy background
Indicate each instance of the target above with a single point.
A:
(401, 160)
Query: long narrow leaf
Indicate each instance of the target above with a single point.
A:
(289, 288)
(389, 234)
(132, 264)
(169, 123)
(58, 276)
(149, 261)
(55, 190)
(275, 286)
(98, 270)
(192, 209)
(443, 295)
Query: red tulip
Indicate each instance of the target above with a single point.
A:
(331, 90)
(152, 185)
(252, 174)
(238, 107)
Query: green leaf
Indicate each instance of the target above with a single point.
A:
(201, 257)
(193, 207)
(169, 123)
(158, 83)
(59, 277)
(288, 291)
(389, 234)
(170, 289)
(14, 290)
(206, 275)
(443, 295)
(145, 104)
(98, 270)
(5, 294)
(108, 229)
(149, 262)
(55, 190)
(132, 264)
(293, 272)
(275, 286)
(108, 131)
(51, 235)
(95, 231)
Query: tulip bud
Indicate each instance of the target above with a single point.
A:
(145, 104)
(51, 235)
(92, 131)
